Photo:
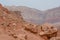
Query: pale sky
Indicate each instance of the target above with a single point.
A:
(38, 4)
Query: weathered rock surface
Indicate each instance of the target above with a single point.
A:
(3, 9)
(46, 30)
(55, 38)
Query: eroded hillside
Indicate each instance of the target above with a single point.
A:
(13, 27)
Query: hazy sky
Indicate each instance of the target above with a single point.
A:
(38, 4)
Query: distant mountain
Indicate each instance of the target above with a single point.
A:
(38, 16)
(53, 15)
(30, 14)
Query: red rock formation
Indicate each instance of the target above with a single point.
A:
(46, 30)
(0, 6)
(3, 9)
(13, 26)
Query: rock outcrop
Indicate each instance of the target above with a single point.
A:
(46, 30)
(3, 9)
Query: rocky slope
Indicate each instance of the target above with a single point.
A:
(13, 27)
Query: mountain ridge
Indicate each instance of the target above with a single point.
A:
(38, 16)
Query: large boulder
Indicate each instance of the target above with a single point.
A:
(48, 30)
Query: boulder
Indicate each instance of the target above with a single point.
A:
(48, 30)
